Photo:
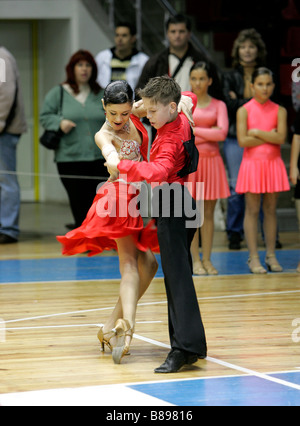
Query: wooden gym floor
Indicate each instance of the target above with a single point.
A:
(51, 308)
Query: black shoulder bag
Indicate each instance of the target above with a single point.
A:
(192, 157)
(50, 138)
(178, 68)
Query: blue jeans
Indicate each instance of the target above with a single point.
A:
(9, 186)
(233, 154)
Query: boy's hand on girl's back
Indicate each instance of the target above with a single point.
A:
(186, 107)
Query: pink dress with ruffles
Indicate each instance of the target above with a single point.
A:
(211, 127)
(262, 169)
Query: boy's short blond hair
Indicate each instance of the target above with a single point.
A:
(162, 90)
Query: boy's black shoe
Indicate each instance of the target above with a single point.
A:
(6, 239)
(175, 360)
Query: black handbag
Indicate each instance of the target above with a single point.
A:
(50, 139)
(192, 157)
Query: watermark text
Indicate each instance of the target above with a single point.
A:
(296, 331)
(2, 71)
(296, 72)
(159, 200)
(2, 331)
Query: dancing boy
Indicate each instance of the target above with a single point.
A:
(168, 166)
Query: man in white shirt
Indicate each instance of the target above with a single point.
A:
(180, 61)
(123, 61)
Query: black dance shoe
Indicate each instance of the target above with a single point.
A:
(176, 360)
(6, 239)
(235, 241)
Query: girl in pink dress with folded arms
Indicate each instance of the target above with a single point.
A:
(211, 127)
(261, 129)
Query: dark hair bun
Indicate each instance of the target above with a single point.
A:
(118, 92)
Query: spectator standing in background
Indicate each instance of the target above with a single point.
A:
(81, 117)
(123, 61)
(295, 167)
(261, 129)
(248, 53)
(211, 127)
(296, 93)
(12, 125)
(177, 60)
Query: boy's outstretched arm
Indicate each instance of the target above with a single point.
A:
(154, 171)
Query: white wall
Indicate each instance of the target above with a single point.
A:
(64, 26)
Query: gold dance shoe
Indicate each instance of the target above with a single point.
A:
(209, 267)
(105, 338)
(256, 269)
(124, 334)
(198, 268)
(272, 263)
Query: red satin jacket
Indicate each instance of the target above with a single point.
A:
(167, 155)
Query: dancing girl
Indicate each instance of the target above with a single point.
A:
(105, 227)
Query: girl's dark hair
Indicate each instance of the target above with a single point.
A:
(252, 35)
(203, 66)
(118, 92)
(261, 71)
(82, 55)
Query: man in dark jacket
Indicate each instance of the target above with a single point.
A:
(177, 60)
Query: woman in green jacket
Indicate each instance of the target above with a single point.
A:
(81, 117)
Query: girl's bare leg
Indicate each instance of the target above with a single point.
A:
(207, 235)
(270, 230)
(197, 264)
(130, 281)
(251, 229)
(147, 268)
(270, 221)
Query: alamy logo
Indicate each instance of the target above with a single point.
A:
(164, 200)
(2, 71)
(296, 331)
(2, 331)
(296, 72)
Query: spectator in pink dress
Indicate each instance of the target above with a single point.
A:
(211, 127)
(261, 129)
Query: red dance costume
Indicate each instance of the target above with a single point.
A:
(114, 212)
(211, 127)
(262, 169)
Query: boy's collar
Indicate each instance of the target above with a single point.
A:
(170, 125)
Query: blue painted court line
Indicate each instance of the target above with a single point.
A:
(64, 269)
(107, 267)
(291, 376)
(226, 391)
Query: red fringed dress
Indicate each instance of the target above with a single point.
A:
(114, 213)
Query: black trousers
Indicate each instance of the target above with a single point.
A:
(185, 323)
(81, 191)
